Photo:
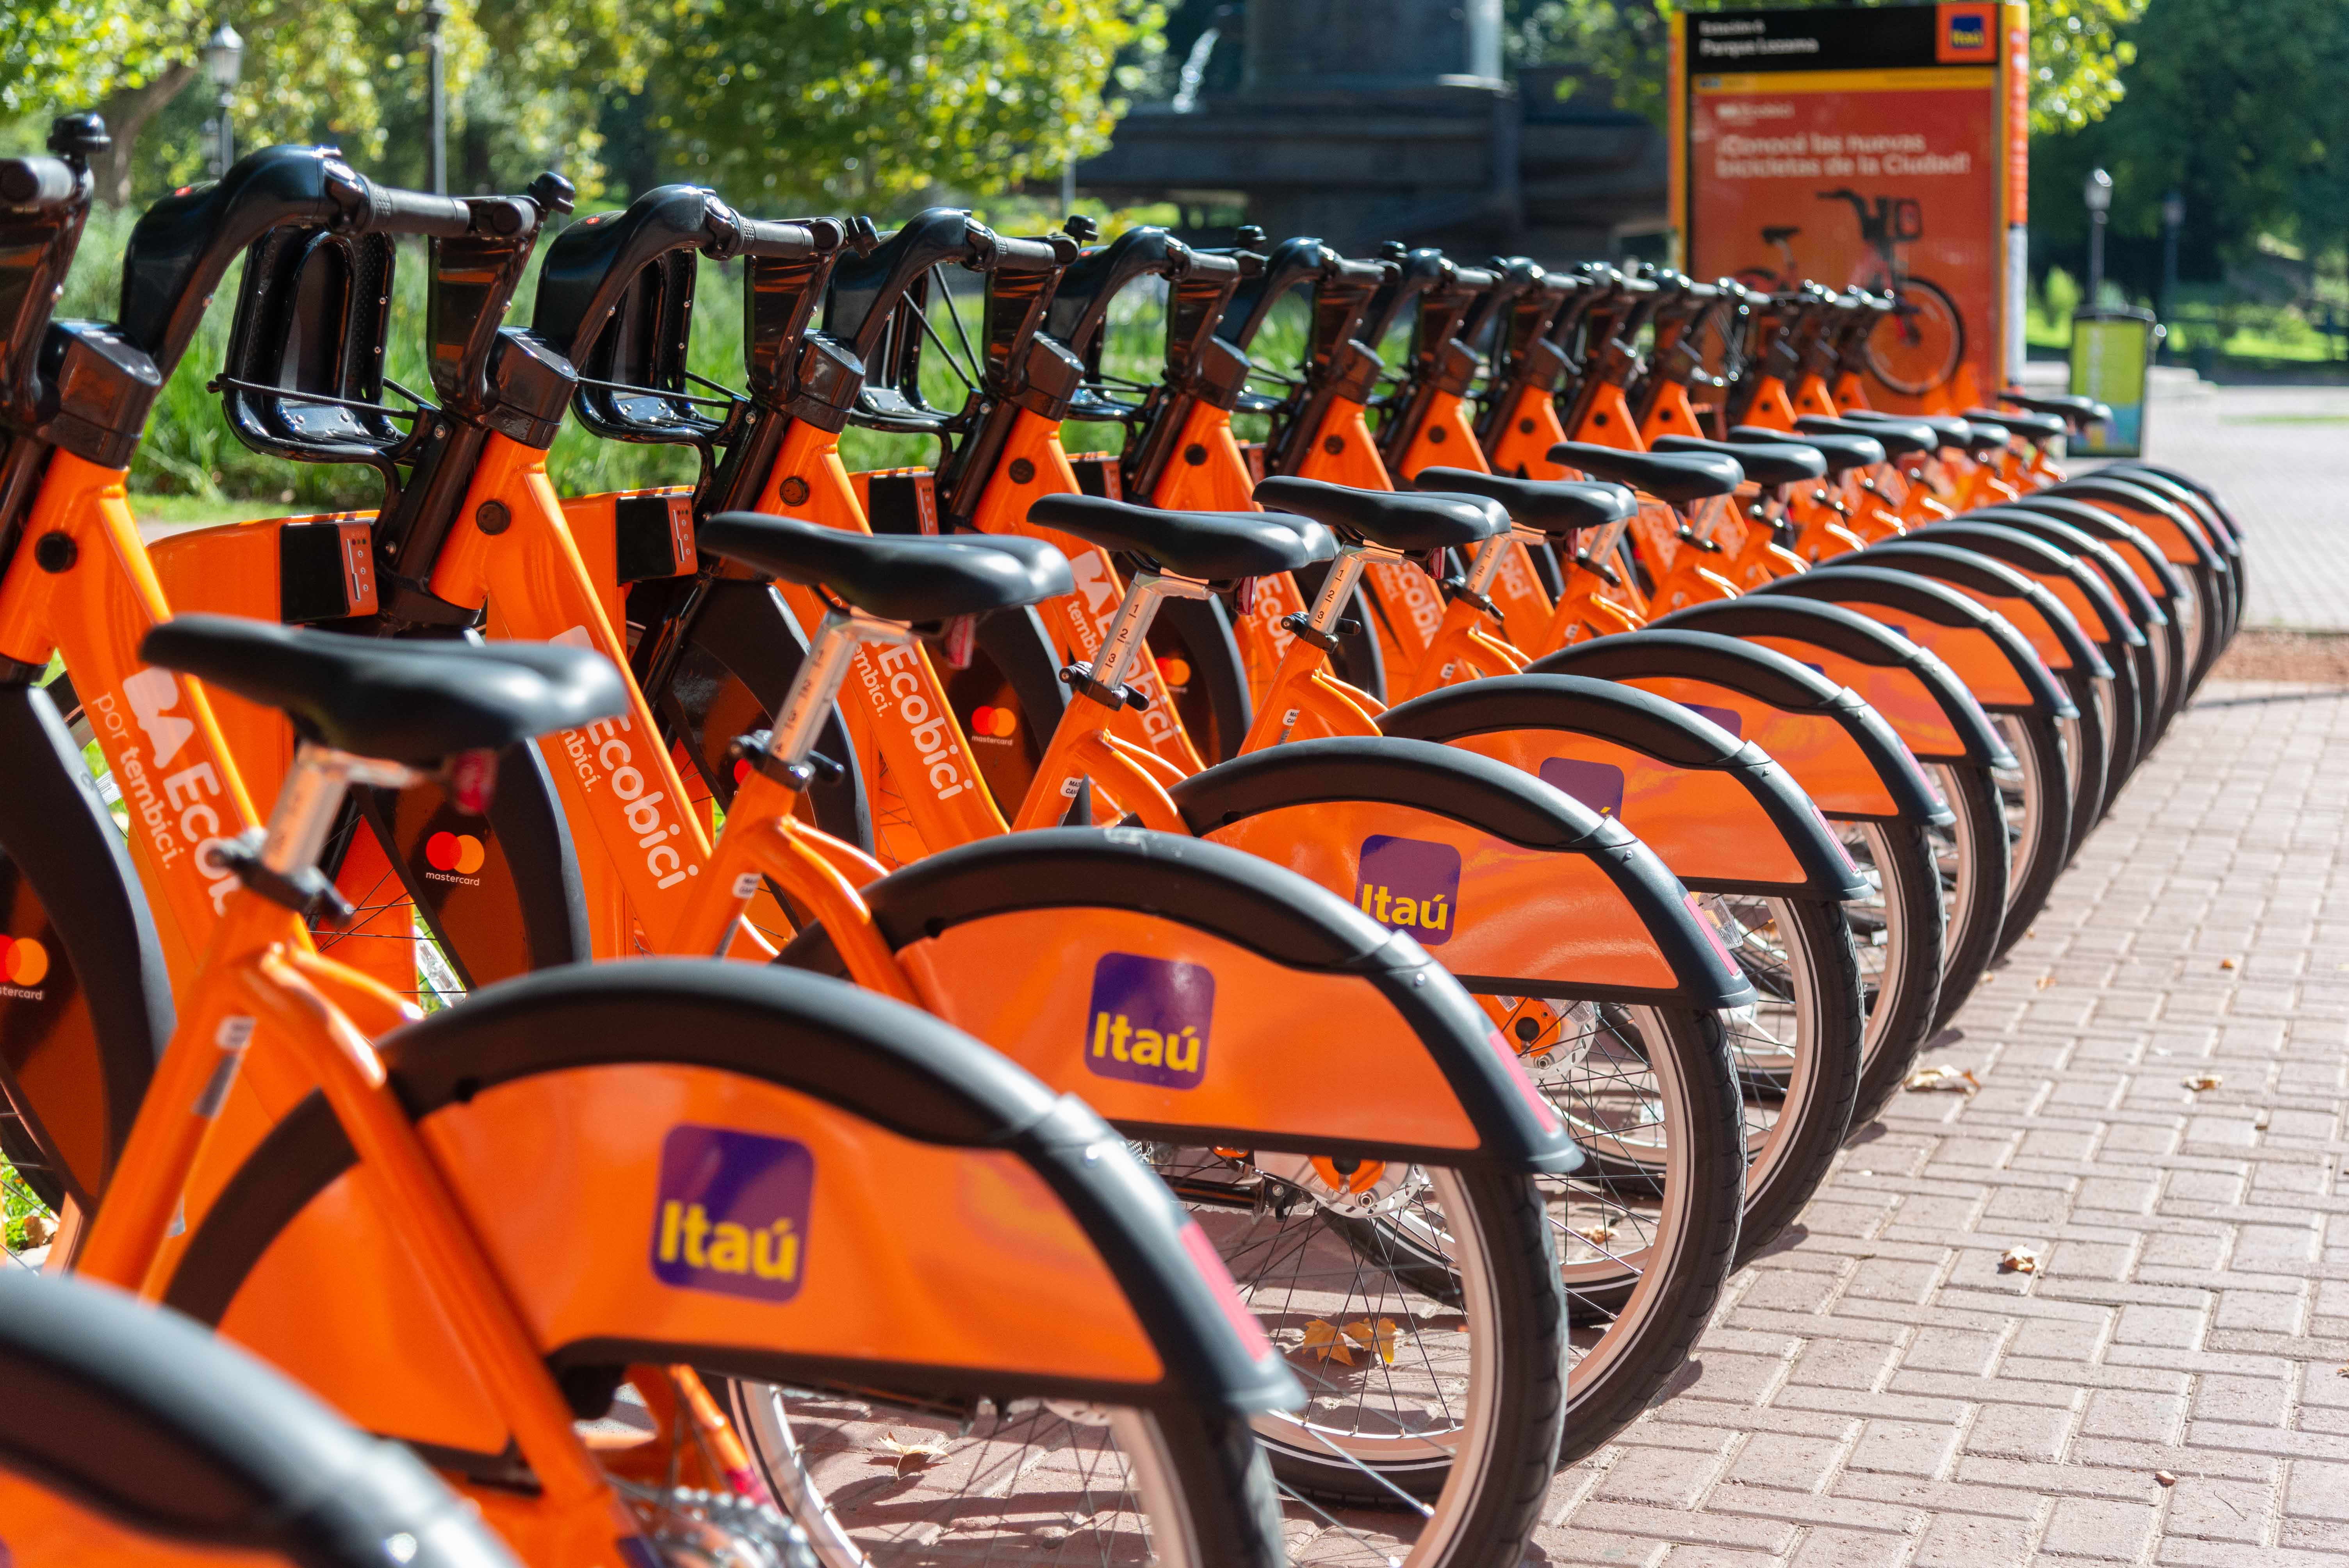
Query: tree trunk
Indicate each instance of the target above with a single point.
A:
(126, 114)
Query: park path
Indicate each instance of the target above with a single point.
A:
(1878, 1391)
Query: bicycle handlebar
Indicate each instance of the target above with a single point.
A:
(389, 210)
(32, 182)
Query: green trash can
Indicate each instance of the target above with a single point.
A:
(2112, 358)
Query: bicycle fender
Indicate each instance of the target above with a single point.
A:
(2132, 595)
(1994, 660)
(1919, 696)
(1717, 812)
(1840, 750)
(2062, 645)
(1264, 961)
(2181, 535)
(1551, 899)
(2075, 583)
(901, 1197)
(2157, 575)
(68, 892)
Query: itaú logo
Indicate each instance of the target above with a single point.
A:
(1410, 884)
(600, 755)
(454, 857)
(23, 964)
(731, 1215)
(1150, 1019)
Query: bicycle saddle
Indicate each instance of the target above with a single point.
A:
(2030, 427)
(1767, 463)
(1900, 438)
(1558, 508)
(1840, 453)
(2077, 412)
(404, 701)
(1949, 434)
(894, 576)
(1676, 476)
(1397, 519)
(157, 1423)
(1205, 546)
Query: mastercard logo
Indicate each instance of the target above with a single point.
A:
(1001, 722)
(1174, 672)
(22, 961)
(459, 852)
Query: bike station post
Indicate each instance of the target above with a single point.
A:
(1881, 147)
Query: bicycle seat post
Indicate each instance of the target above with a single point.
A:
(791, 741)
(1143, 592)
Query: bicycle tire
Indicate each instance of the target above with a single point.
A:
(1948, 362)
(2034, 793)
(1814, 1101)
(1629, 1332)
(1982, 873)
(1907, 997)
(1486, 1503)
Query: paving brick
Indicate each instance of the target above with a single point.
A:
(2212, 1510)
(1825, 1548)
(1970, 1541)
(2021, 1432)
(2102, 1531)
(1904, 1448)
(1674, 1478)
(1789, 1463)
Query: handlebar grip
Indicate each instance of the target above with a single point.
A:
(784, 241)
(1028, 255)
(395, 212)
(35, 182)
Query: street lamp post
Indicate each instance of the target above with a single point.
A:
(2173, 218)
(223, 63)
(2099, 197)
(436, 12)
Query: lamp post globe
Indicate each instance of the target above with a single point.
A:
(224, 56)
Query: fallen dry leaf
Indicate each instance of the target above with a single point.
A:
(917, 1454)
(2044, 982)
(1379, 1341)
(1596, 1234)
(2226, 964)
(1945, 1077)
(2019, 1260)
(2165, 1478)
(2198, 1082)
(2259, 1122)
(1322, 1341)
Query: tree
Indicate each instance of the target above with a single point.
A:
(2078, 51)
(2238, 108)
(846, 105)
(350, 72)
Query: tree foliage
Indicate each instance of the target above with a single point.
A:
(864, 103)
(2077, 49)
(2239, 108)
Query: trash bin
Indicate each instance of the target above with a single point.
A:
(2112, 351)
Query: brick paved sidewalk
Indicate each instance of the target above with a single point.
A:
(1876, 1391)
